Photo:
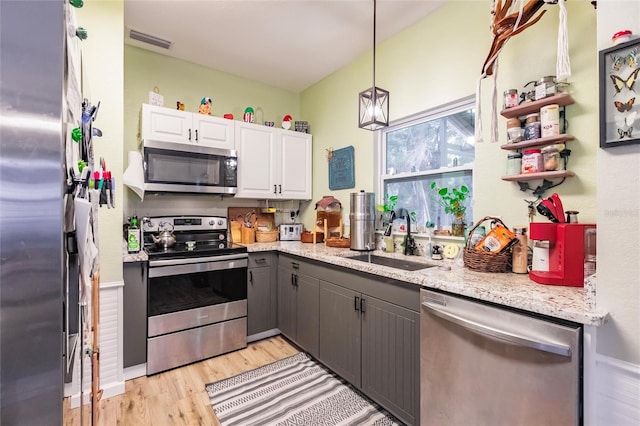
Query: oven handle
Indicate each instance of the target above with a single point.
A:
(169, 270)
(170, 262)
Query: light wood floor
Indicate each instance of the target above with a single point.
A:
(177, 397)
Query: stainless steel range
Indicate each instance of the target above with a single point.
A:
(197, 292)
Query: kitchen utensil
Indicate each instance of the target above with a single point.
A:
(165, 238)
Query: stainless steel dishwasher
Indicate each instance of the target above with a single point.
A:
(482, 365)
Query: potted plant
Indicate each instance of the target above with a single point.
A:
(386, 209)
(453, 201)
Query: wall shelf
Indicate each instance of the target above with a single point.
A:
(557, 174)
(562, 99)
(549, 140)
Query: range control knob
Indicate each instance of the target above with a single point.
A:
(221, 237)
(212, 222)
(220, 222)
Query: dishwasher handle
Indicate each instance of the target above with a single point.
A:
(504, 335)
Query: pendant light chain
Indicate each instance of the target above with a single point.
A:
(373, 103)
(374, 45)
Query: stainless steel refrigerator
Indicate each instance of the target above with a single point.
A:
(32, 180)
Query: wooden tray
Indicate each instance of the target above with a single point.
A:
(307, 237)
(338, 242)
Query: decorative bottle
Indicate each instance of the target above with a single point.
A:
(133, 236)
(520, 251)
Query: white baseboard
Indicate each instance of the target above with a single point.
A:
(617, 392)
(111, 389)
(263, 335)
(135, 371)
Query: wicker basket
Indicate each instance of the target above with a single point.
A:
(267, 236)
(483, 261)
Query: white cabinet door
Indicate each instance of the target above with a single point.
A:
(214, 132)
(257, 161)
(164, 124)
(295, 165)
(170, 125)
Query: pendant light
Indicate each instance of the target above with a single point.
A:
(373, 105)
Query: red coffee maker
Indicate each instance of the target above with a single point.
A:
(571, 251)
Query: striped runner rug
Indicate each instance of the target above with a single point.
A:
(293, 391)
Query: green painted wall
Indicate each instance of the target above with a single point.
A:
(103, 81)
(439, 60)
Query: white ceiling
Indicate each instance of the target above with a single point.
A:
(288, 44)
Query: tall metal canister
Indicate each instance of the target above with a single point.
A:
(362, 221)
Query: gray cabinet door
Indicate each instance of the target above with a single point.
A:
(286, 303)
(390, 357)
(307, 312)
(134, 339)
(340, 331)
(261, 293)
(258, 296)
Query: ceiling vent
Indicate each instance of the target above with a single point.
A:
(149, 39)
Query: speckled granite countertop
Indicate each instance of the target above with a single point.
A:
(518, 291)
(133, 257)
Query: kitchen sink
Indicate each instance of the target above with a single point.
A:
(405, 265)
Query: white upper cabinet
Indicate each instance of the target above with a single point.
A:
(273, 163)
(295, 165)
(170, 125)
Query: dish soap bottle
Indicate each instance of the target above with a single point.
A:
(133, 236)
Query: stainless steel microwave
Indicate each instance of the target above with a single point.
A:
(177, 167)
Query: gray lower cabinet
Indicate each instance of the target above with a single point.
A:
(340, 340)
(298, 305)
(391, 357)
(374, 345)
(363, 327)
(261, 293)
(134, 339)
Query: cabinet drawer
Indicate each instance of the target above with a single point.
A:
(260, 259)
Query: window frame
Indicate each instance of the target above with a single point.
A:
(438, 112)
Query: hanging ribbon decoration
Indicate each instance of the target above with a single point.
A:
(504, 26)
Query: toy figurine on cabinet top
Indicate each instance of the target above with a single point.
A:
(286, 122)
(205, 106)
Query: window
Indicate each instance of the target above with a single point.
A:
(433, 146)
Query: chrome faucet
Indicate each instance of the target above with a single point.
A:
(409, 243)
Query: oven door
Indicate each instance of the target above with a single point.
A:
(172, 167)
(192, 292)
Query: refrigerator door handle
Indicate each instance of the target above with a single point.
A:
(507, 336)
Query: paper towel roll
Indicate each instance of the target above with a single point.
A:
(133, 177)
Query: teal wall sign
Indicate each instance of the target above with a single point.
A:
(341, 169)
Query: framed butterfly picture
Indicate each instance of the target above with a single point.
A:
(620, 94)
